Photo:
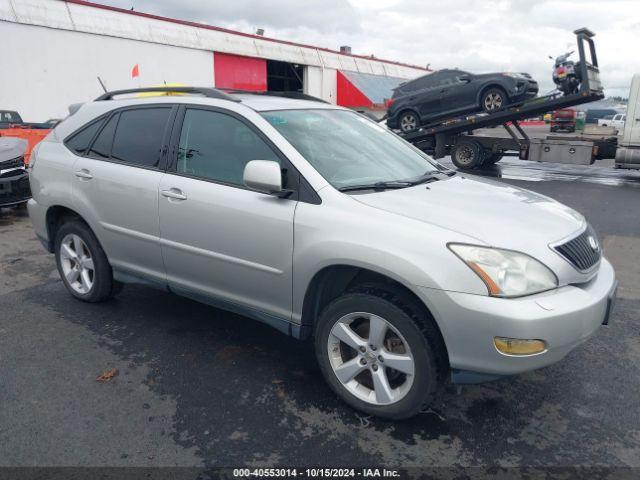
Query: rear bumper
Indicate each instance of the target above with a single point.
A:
(392, 121)
(563, 318)
(14, 188)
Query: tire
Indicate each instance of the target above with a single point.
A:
(466, 154)
(408, 121)
(407, 394)
(493, 99)
(77, 250)
(491, 158)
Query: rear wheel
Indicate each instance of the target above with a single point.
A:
(375, 356)
(82, 263)
(491, 157)
(408, 121)
(493, 99)
(466, 154)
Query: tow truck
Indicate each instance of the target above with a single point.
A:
(457, 136)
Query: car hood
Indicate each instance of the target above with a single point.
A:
(496, 214)
(11, 148)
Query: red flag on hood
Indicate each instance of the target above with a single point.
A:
(135, 72)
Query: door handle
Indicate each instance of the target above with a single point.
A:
(84, 174)
(174, 193)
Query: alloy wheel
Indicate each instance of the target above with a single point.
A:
(370, 358)
(493, 101)
(408, 122)
(77, 264)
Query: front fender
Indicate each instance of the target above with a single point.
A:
(410, 252)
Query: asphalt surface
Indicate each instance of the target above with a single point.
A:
(196, 386)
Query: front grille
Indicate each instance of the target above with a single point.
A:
(13, 163)
(580, 251)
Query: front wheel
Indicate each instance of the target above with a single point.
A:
(493, 100)
(375, 356)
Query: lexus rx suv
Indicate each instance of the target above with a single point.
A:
(447, 93)
(321, 223)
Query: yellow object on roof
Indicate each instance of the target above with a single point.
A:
(162, 94)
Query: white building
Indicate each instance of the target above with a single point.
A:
(55, 51)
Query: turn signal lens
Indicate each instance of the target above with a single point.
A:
(517, 346)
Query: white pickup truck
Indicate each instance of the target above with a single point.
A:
(616, 121)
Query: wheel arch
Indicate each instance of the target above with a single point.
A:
(489, 86)
(55, 217)
(333, 280)
(406, 109)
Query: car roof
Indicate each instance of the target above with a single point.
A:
(267, 101)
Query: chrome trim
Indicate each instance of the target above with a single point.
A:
(553, 246)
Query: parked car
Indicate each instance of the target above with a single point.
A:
(594, 114)
(14, 180)
(563, 119)
(321, 223)
(616, 121)
(450, 92)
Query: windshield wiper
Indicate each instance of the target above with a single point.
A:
(426, 178)
(377, 186)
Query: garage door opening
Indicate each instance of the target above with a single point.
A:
(284, 77)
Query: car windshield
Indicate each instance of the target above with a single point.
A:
(348, 149)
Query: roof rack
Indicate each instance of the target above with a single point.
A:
(204, 91)
(271, 93)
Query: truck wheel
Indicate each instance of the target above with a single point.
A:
(493, 100)
(408, 121)
(376, 356)
(491, 158)
(466, 154)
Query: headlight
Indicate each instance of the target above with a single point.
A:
(514, 75)
(504, 272)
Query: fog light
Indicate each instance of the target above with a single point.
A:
(518, 346)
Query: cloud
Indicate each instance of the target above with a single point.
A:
(479, 36)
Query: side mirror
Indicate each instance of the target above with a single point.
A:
(263, 176)
(464, 78)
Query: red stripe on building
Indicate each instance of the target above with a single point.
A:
(241, 73)
(348, 95)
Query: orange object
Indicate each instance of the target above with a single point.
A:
(32, 135)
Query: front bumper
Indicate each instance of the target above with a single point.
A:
(525, 89)
(14, 187)
(563, 318)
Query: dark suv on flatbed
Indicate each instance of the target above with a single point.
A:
(450, 92)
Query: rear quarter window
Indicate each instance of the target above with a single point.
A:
(79, 142)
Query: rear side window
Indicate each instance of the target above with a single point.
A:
(101, 148)
(79, 142)
(139, 134)
(419, 83)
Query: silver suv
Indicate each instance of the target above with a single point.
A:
(323, 224)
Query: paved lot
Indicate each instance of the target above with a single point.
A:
(198, 386)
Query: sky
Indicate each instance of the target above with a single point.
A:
(473, 35)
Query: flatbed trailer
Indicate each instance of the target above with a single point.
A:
(455, 136)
